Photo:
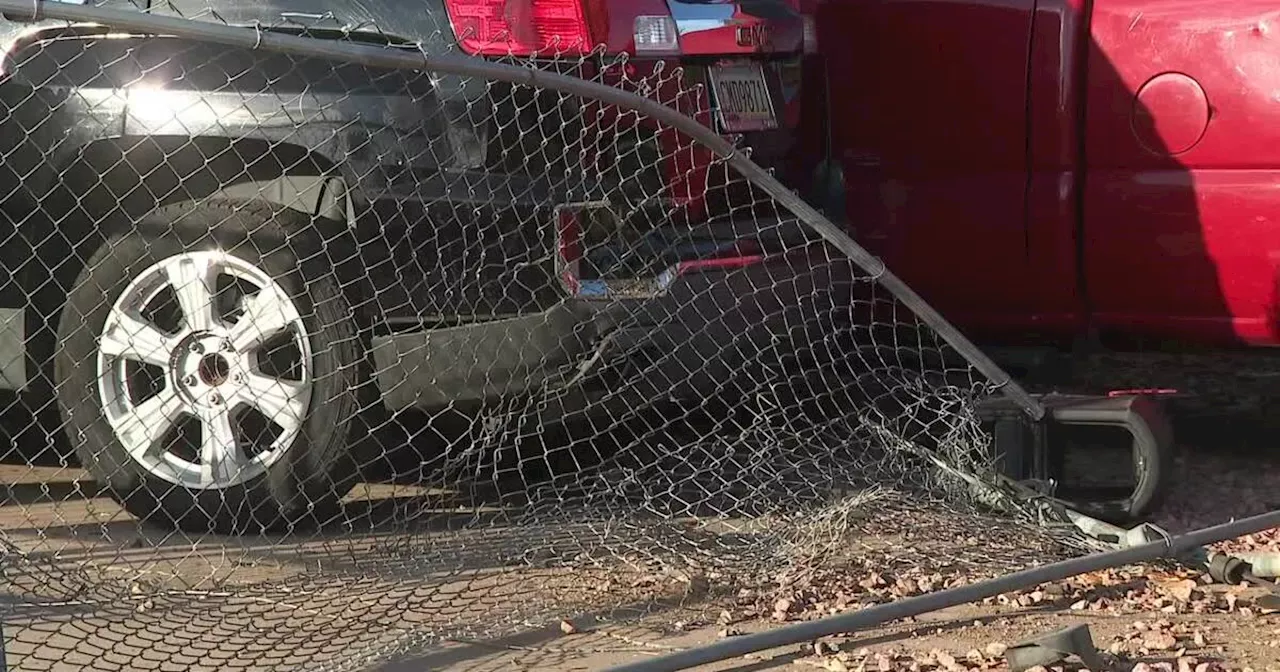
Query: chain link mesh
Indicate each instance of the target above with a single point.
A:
(331, 365)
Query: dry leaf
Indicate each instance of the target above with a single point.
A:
(781, 608)
(1160, 641)
(835, 665)
(1183, 590)
(874, 580)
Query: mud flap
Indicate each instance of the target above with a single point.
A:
(1038, 451)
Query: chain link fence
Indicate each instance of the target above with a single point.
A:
(326, 350)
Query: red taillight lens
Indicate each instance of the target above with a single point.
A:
(524, 27)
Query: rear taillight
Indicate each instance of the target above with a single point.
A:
(526, 27)
(810, 34)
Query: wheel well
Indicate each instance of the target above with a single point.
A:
(112, 183)
(115, 181)
(139, 173)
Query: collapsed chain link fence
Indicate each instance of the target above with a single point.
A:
(320, 365)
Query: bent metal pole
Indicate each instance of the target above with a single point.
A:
(1173, 547)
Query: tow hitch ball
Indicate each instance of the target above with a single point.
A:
(1089, 439)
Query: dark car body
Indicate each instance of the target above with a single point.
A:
(446, 181)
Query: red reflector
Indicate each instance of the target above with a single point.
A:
(522, 27)
(568, 249)
(719, 263)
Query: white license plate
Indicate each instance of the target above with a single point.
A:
(743, 102)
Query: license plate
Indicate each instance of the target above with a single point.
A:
(743, 102)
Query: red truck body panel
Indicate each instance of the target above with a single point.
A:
(932, 140)
(1185, 185)
(1040, 167)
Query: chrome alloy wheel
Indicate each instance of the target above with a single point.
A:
(205, 370)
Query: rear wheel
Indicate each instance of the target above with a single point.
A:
(207, 369)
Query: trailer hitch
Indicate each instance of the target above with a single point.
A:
(1037, 452)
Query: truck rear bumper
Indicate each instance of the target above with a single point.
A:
(711, 323)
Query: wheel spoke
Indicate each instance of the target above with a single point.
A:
(193, 278)
(284, 402)
(132, 338)
(266, 314)
(220, 456)
(143, 429)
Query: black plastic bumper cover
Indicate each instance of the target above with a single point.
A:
(690, 341)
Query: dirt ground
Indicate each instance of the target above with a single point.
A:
(968, 635)
(1151, 618)
(1141, 618)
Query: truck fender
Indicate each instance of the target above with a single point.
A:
(326, 196)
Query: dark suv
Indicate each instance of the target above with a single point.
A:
(216, 253)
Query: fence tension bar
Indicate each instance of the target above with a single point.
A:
(733, 647)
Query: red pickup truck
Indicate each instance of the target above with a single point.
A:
(1047, 169)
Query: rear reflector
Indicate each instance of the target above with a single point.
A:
(568, 246)
(656, 35)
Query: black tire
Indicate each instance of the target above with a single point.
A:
(306, 484)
